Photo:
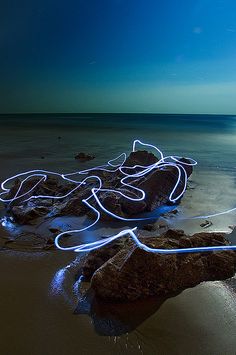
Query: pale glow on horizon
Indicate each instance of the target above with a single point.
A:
(212, 98)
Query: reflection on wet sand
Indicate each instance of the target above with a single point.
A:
(117, 319)
(108, 319)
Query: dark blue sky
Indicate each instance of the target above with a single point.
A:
(118, 56)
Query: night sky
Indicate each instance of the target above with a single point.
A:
(173, 56)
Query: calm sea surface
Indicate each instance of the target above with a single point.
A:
(25, 139)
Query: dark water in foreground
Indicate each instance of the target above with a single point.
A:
(41, 312)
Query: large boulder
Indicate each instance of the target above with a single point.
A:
(141, 157)
(125, 272)
(158, 185)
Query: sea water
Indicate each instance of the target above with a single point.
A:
(51, 142)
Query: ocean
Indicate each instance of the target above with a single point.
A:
(208, 138)
(40, 316)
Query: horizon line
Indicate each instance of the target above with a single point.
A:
(115, 113)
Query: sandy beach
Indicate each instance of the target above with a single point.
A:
(37, 316)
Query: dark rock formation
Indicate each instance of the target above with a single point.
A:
(36, 186)
(157, 185)
(84, 157)
(28, 241)
(124, 272)
(95, 259)
(150, 227)
(206, 224)
(26, 214)
(141, 157)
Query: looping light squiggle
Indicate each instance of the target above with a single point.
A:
(163, 162)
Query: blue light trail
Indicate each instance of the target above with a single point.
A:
(163, 163)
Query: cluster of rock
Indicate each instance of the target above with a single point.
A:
(157, 185)
(123, 272)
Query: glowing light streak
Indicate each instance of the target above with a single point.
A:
(131, 232)
(162, 163)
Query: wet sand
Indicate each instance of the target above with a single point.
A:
(37, 316)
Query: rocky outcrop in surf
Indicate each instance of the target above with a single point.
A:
(124, 272)
(157, 185)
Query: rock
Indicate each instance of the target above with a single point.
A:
(232, 227)
(149, 227)
(98, 257)
(206, 224)
(188, 168)
(27, 186)
(157, 186)
(84, 157)
(173, 212)
(126, 273)
(25, 214)
(159, 225)
(162, 224)
(110, 202)
(232, 236)
(26, 241)
(54, 230)
(73, 206)
(141, 157)
(33, 186)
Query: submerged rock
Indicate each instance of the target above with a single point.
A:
(125, 272)
(84, 157)
(206, 224)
